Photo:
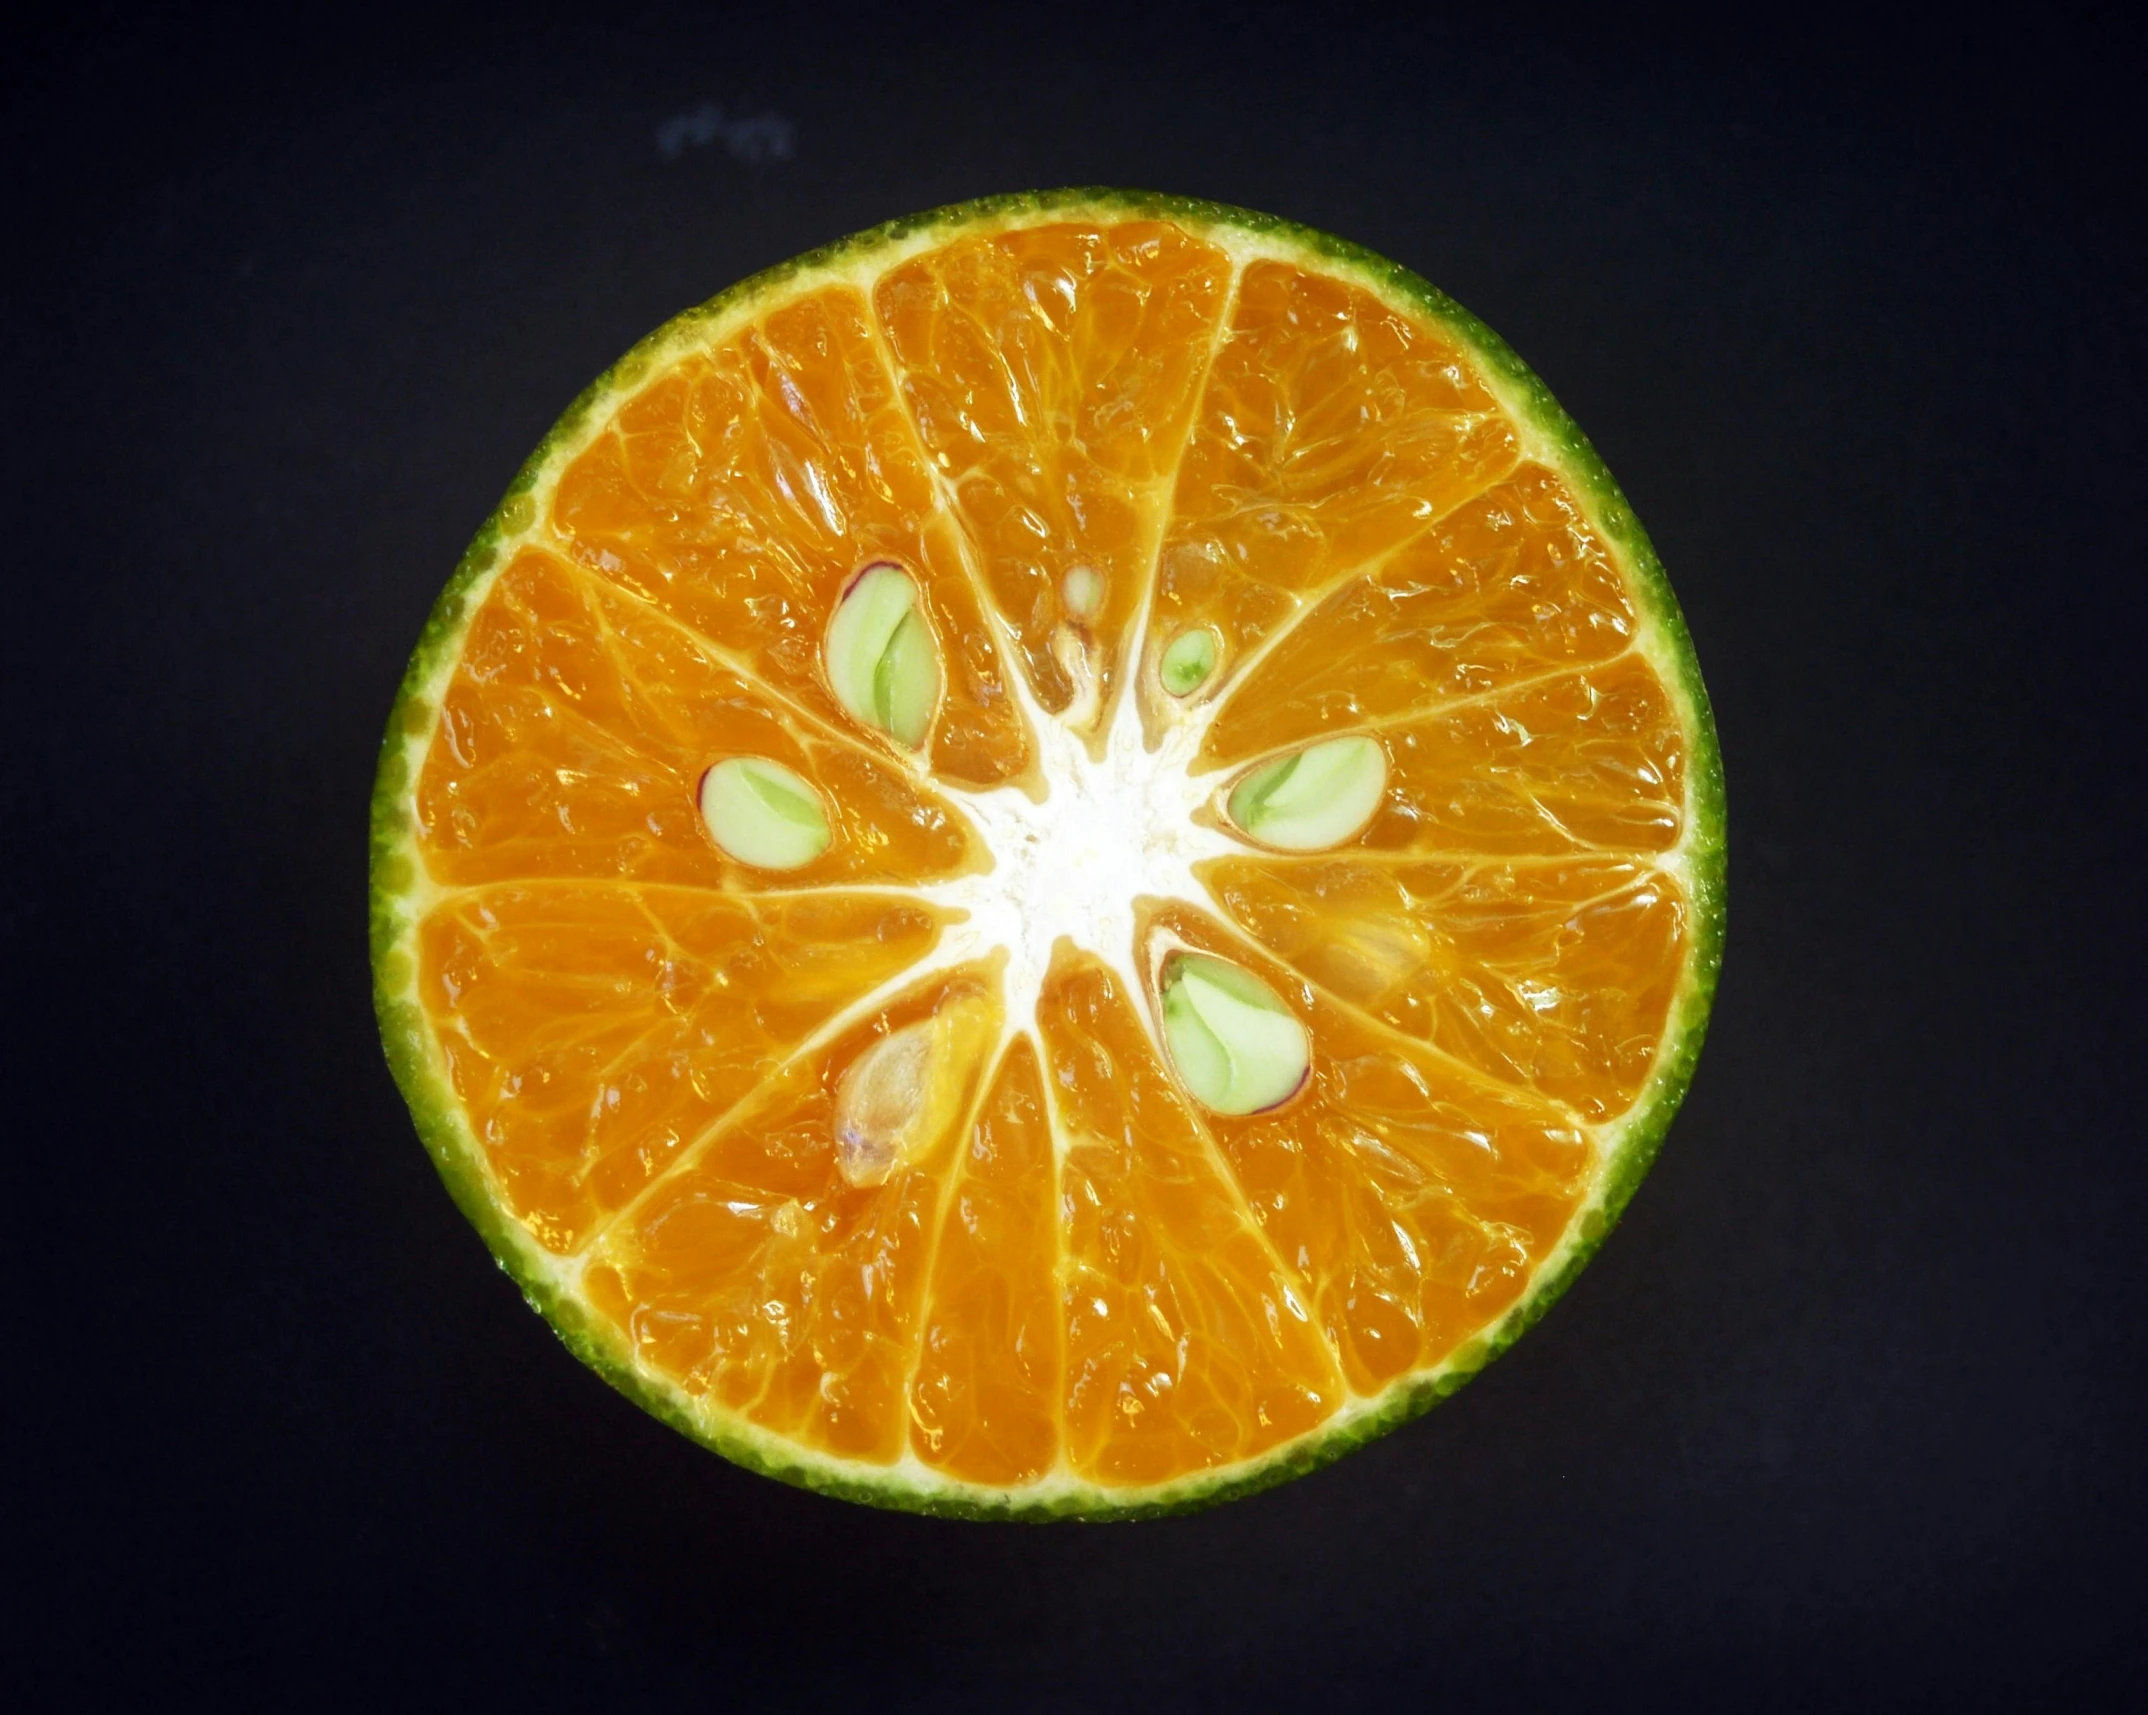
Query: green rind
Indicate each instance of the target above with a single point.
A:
(454, 1152)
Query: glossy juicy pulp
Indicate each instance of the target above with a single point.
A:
(1053, 375)
(1089, 1279)
(985, 1400)
(1188, 1344)
(593, 1031)
(573, 739)
(1510, 585)
(758, 1277)
(1409, 1196)
(744, 488)
(1331, 430)
(1554, 976)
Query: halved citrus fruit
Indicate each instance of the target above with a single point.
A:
(1058, 860)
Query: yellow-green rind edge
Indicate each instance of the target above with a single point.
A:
(439, 1123)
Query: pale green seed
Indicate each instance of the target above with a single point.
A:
(1315, 798)
(1236, 1046)
(882, 661)
(908, 684)
(763, 814)
(1188, 661)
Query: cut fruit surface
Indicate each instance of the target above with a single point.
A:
(1054, 862)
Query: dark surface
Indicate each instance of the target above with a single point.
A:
(1849, 1407)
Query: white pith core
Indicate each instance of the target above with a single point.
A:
(1107, 834)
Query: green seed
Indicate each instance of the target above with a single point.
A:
(1313, 799)
(907, 684)
(1188, 661)
(1237, 1047)
(763, 814)
(883, 663)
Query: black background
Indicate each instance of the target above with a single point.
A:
(1848, 1409)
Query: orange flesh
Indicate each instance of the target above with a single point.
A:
(1089, 1273)
(1053, 375)
(1332, 430)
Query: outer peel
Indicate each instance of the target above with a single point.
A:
(400, 892)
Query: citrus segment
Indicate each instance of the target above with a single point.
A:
(759, 1278)
(576, 730)
(1511, 584)
(741, 491)
(1188, 1343)
(1333, 429)
(985, 1402)
(1558, 976)
(1412, 1197)
(914, 1065)
(1582, 762)
(1053, 373)
(592, 1032)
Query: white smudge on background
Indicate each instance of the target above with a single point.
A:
(753, 138)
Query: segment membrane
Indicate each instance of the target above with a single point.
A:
(984, 1403)
(573, 738)
(592, 1031)
(1506, 587)
(1052, 375)
(1332, 430)
(757, 1277)
(1188, 1344)
(1413, 1198)
(740, 491)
